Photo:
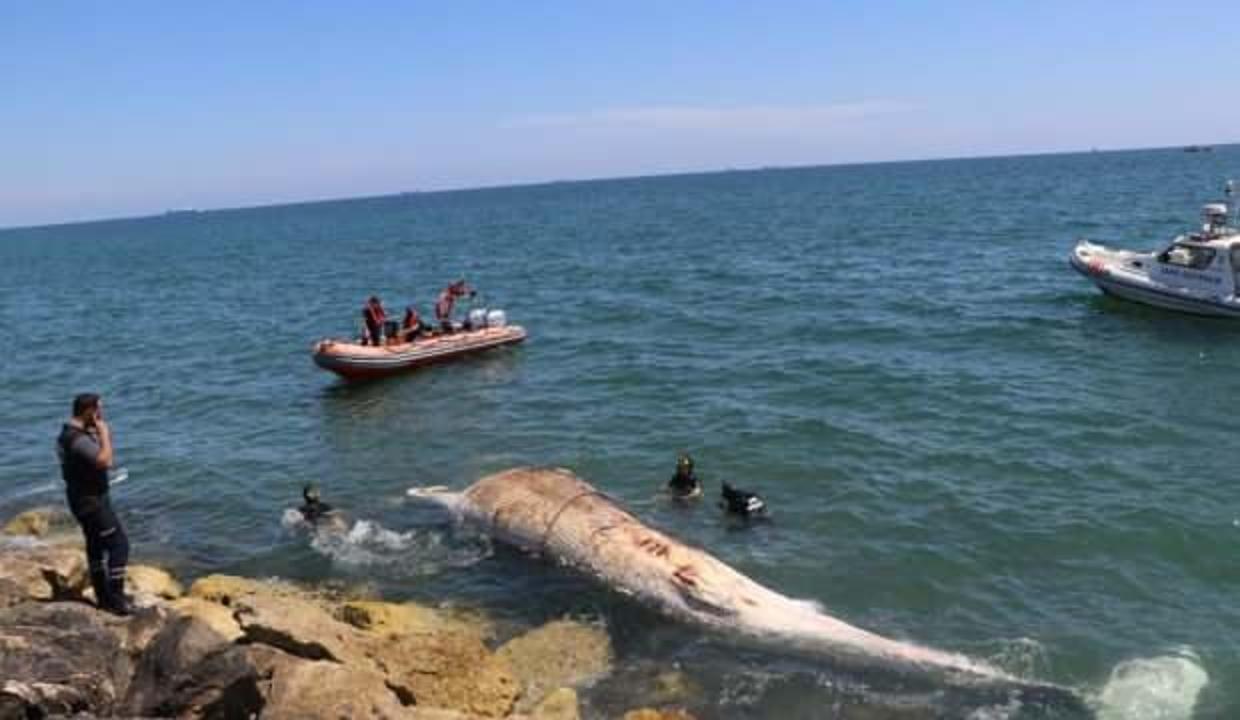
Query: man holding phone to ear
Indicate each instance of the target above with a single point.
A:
(85, 451)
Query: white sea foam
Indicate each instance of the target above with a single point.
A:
(366, 543)
(1158, 688)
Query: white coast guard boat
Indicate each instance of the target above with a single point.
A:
(1198, 272)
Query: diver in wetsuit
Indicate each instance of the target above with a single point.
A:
(318, 514)
(742, 503)
(314, 509)
(684, 485)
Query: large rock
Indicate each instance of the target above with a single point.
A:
(297, 627)
(11, 593)
(300, 689)
(152, 581)
(53, 524)
(43, 572)
(137, 631)
(425, 660)
(36, 523)
(455, 672)
(282, 616)
(558, 704)
(61, 658)
(652, 714)
(146, 584)
(224, 589)
(189, 669)
(218, 617)
(562, 653)
(408, 618)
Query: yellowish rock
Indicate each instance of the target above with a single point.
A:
(652, 714)
(385, 618)
(216, 616)
(223, 589)
(34, 522)
(298, 689)
(560, 704)
(446, 670)
(563, 653)
(149, 580)
(44, 572)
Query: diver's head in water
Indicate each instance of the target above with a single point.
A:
(314, 507)
(684, 484)
(741, 503)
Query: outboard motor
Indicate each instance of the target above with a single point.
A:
(1215, 219)
(477, 318)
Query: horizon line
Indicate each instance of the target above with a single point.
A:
(583, 180)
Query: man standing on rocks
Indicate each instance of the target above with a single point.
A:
(85, 451)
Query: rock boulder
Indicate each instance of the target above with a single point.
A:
(43, 572)
(39, 522)
(454, 672)
(562, 653)
(296, 688)
(61, 659)
(189, 669)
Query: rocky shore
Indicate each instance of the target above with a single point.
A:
(233, 647)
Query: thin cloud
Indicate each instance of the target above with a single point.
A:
(751, 118)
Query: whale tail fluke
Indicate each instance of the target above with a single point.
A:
(440, 495)
(430, 491)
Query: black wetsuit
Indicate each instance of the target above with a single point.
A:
(314, 510)
(86, 488)
(684, 484)
(742, 502)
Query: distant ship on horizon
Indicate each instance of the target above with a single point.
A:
(1198, 148)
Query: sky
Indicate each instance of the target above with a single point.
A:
(131, 108)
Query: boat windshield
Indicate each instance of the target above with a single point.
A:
(1194, 257)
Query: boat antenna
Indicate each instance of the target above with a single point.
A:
(1229, 190)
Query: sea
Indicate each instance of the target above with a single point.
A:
(961, 441)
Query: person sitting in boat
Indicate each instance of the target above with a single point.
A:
(447, 298)
(373, 315)
(411, 326)
(684, 484)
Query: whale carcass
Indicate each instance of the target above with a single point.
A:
(553, 512)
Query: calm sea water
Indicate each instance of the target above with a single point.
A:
(962, 441)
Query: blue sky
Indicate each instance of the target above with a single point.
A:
(114, 109)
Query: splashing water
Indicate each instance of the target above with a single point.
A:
(1159, 688)
(411, 553)
(1023, 657)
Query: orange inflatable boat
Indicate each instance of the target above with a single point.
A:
(354, 361)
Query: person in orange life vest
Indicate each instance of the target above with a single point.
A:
(411, 326)
(374, 317)
(447, 298)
